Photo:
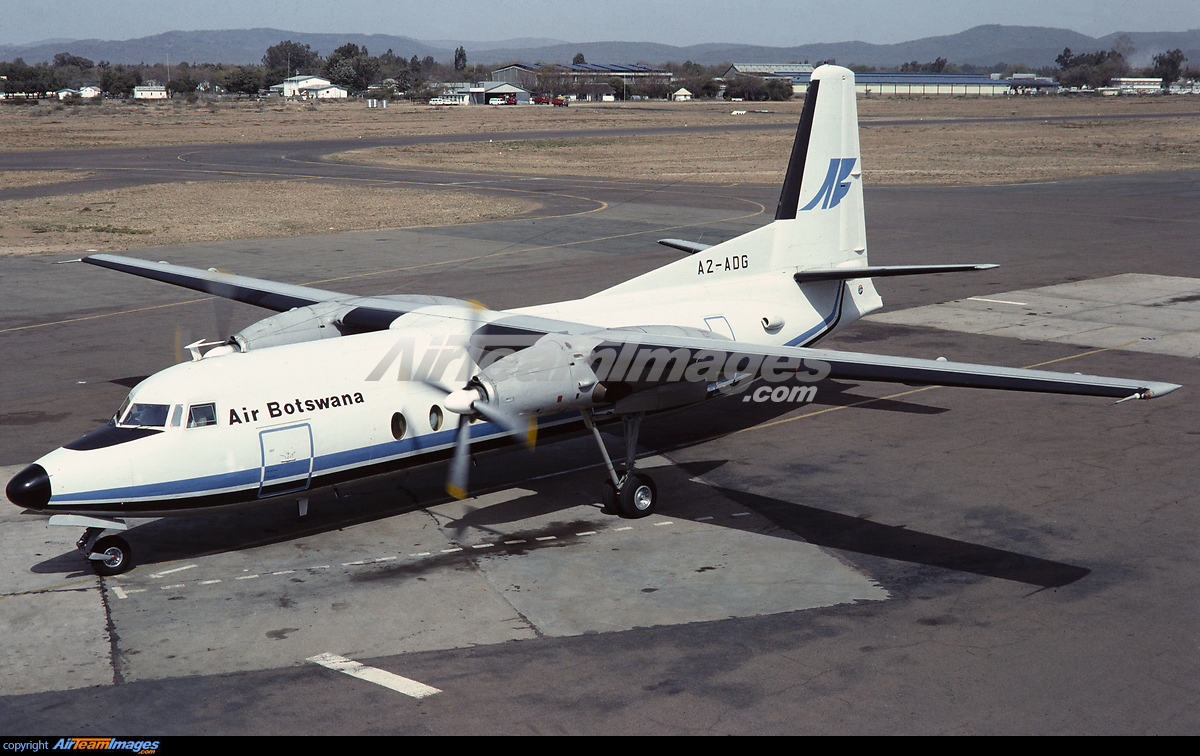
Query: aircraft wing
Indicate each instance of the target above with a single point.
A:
(765, 360)
(361, 313)
(256, 291)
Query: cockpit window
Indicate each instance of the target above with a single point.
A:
(146, 415)
(200, 415)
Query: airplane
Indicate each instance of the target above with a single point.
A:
(335, 388)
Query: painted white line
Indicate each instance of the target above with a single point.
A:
(546, 538)
(385, 559)
(741, 514)
(120, 593)
(660, 524)
(209, 582)
(586, 533)
(483, 545)
(354, 564)
(169, 587)
(451, 551)
(168, 572)
(423, 553)
(510, 543)
(283, 572)
(627, 527)
(246, 577)
(998, 301)
(378, 676)
(702, 519)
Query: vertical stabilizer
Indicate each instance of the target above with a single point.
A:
(819, 221)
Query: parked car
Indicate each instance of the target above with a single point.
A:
(542, 99)
(561, 102)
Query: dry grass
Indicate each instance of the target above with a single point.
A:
(958, 151)
(192, 212)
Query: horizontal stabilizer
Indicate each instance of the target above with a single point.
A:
(684, 245)
(876, 271)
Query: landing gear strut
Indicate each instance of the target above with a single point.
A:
(633, 494)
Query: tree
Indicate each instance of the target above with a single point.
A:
(286, 59)
(62, 60)
(1094, 69)
(119, 81)
(184, 85)
(460, 59)
(1168, 66)
(578, 60)
(243, 80)
(352, 67)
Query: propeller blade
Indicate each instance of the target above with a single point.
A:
(523, 430)
(456, 482)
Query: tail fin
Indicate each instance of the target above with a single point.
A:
(819, 219)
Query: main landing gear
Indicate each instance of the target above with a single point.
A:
(633, 494)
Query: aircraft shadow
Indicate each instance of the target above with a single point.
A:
(861, 536)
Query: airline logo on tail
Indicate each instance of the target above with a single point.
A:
(836, 184)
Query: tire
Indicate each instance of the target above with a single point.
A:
(638, 497)
(609, 500)
(117, 556)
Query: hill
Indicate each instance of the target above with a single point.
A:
(981, 45)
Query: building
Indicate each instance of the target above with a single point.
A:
(150, 92)
(488, 93)
(560, 77)
(1137, 86)
(681, 95)
(919, 84)
(310, 88)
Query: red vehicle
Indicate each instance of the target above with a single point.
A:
(561, 102)
(541, 99)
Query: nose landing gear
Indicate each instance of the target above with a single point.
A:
(108, 555)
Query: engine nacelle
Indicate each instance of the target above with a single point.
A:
(311, 323)
(551, 376)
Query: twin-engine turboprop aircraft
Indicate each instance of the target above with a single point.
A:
(337, 388)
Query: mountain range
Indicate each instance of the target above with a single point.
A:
(988, 45)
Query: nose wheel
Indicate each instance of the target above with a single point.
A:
(633, 494)
(108, 555)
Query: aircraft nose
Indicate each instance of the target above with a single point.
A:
(29, 488)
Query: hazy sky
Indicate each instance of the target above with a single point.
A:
(776, 23)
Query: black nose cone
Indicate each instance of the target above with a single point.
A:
(29, 488)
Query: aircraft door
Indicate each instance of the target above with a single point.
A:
(287, 459)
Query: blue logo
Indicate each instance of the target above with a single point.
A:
(836, 184)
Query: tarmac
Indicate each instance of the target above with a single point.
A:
(884, 560)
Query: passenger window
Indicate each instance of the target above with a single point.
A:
(200, 415)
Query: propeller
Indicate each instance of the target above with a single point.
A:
(471, 401)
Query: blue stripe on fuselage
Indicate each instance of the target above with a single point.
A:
(250, 479)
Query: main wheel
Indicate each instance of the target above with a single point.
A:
(638, 496)
(609, 499)
(117, 557)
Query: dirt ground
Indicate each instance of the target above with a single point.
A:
(1164, 136)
